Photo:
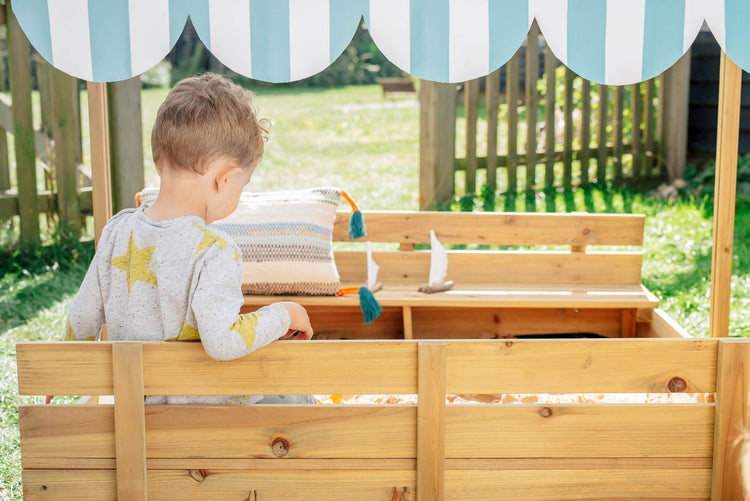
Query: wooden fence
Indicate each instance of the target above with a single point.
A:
(53, 147)
(567, 135)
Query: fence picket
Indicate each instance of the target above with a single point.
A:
(492, 91)
(585, 154)
(471, 112)
(512, 83)
(550, 62)
(568, 131)
(648, 129)
(617, 133)
(532, 103)
(635, 141)
(601, 137)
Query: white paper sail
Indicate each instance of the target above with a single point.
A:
(438, 261)
(372, 268)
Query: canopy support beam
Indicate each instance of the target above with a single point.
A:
(101, 181)
(727, 145)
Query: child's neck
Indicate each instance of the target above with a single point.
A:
(180, 194)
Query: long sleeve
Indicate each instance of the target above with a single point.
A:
(225, 333)
(86, 314)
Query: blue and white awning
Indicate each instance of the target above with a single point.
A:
(607, 41)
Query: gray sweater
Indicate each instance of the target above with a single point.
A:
(174, 280)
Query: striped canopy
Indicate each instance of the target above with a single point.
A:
(606, 41)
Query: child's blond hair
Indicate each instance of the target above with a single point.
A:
(204, 118)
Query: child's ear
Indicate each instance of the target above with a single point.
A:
(224, 175)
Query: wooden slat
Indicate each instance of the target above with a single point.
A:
(492, 100)
(581, 366)
(284, 367)
(431, 422)
(19, 73)
(731, 418)
(532, 103)
(372, 485)
(479, 270)
(497, 228)
(130, 424)
(408, 323)
(661, 325)
(568, 130)
(636, 106)
(4, 162)
(628, 319)
(727, 142)
(617, 125)
(648, 128)
(550, 62)
(288, 464)
(579, 431)
(471, 113)
(46, 202)
(575, 485)
(585, 154)
(512, 83)
(601, 136)
(620, 463)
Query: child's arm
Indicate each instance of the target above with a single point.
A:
(216, 302)
(86, 314)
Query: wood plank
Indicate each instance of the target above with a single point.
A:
(492, 100)
(60, 485)
(19, 73)
(579, 431)
(283, 367)
(550, 63)
(568, 130)
(4, 162)
(636, 107)
(497, 228)
(661, 325)
(727, 142)
(676, 92)
(627, 325)
(648, 128)
(731, 418)
(46, 202)
(585, 153)
(617, 125)
(437, 144)
(512, 83)
(101, 174)
(471, 114)
(575, 485)
(601, 136)
(532, 103)
(66, 165)
(285, 464)
(581, 366)
(408, 324)
(483, 271)
(130, 423)
(570, 463)
(431, 423)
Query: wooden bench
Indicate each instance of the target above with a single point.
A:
(397, 86)
(431, 451)
(589, 284)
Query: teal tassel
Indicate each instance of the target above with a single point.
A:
(356, 225)
(369, 305)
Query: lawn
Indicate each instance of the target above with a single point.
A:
(354, 138)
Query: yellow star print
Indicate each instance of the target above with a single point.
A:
(209, 238)
(136, 264)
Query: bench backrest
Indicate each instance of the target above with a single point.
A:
(428, 451)
(574, 263)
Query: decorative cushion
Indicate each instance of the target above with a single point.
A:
(285, 239)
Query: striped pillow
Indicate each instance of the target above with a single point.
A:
(285, 239)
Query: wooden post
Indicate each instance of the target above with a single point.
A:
(492, 94)
(731, 421)
(676, 93)
(437, 144)
(130, 420)
(471, 113)
(19, 55)
(727, 144)
(532, 103)
(126, 141)
(617, 132)
(431, 422)
(585, 131)
(601, 159)
(101, 184)
(550, 62)
(66, 166)
(4, 163)
(568, 132)
(512, 83)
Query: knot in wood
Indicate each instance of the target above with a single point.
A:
(586, 231)
(545, 412)
(509, 343)
(198, 475)
(677, 385)
(280, 447)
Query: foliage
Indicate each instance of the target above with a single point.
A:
(701, 181)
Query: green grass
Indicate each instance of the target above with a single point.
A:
(353, 138)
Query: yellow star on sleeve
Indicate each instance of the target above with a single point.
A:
(245, 327)
(136, 264)
(209, 238)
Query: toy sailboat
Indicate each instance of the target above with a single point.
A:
(438, 268)
(367, 302)
(372, 272)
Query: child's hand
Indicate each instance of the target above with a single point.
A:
(300, 322)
